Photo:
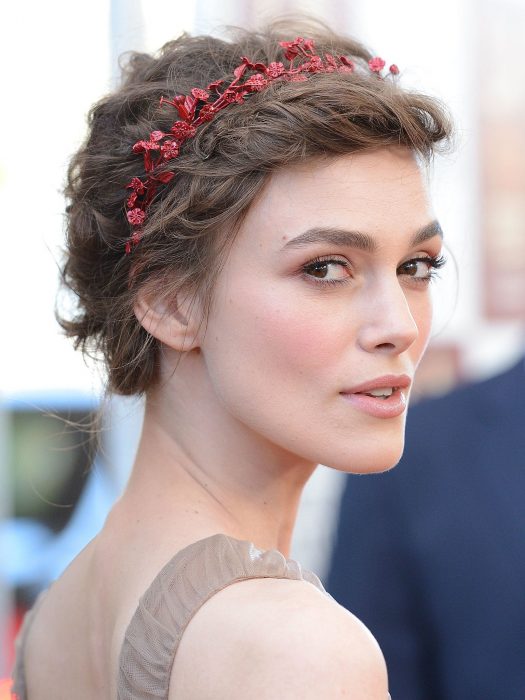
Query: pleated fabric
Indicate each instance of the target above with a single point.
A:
(193, 576)
(178, 591)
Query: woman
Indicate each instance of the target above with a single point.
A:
(251, 243)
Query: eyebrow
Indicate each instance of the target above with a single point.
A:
(356, 239)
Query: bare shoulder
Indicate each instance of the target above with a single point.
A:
(269, 638)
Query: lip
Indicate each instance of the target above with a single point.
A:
(395, 405)
(402, 381)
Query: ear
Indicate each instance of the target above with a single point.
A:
(176, 323)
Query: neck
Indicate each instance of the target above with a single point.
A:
(206, 471)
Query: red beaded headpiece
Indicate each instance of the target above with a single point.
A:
(198, 108)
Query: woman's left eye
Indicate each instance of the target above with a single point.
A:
(327, 271)
(421, 269)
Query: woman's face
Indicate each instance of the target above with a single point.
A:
(324, 299)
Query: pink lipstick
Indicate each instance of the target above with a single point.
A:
(382, 397)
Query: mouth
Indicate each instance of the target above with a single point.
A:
(383, 397)
(382, 393)
(381, 386)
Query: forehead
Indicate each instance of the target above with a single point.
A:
(373, 192)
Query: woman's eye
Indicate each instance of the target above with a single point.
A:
(419, 268)
(328, 270)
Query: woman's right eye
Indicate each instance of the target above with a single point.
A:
(328, 270)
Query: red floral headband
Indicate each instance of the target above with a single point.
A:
(196, 109)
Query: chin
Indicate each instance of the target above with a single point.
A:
(368, 461)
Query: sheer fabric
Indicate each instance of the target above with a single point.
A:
(178, 591)
(193, 575)
(187, 581)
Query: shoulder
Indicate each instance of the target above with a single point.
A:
(283, 638)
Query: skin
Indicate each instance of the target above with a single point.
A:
(248, 405)
(255, 403)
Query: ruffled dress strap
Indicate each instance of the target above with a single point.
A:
(193, 576)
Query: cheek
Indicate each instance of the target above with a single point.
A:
(271, 358)
(268, 338)
(278, 330)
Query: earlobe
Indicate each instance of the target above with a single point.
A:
(174, 323)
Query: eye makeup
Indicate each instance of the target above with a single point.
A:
(420, 269)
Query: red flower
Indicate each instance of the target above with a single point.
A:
(229, 96)
(181, 106)
(308, 44)
(207, 113)
(139, 147)
(133, 240)
(145, 146)
(191, 114)
(257, 82)
(275, 69)
(314, 65)
(331, 63)
(348, 64)
(200, 94)
(291, 49)
(297, 46)
(183, 130)
(376, 64)
(136, 217)
(174, 102)
(169, 149)
(137, 185)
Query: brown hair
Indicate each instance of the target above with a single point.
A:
(218, 175)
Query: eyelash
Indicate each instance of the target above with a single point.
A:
(434, 263)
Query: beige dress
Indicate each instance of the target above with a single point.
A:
(186, 582)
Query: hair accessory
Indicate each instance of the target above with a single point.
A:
(199, 107)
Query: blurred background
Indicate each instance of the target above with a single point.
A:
(58, 477)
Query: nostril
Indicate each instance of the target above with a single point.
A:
(385, 346)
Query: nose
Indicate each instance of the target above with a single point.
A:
(388, 325)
